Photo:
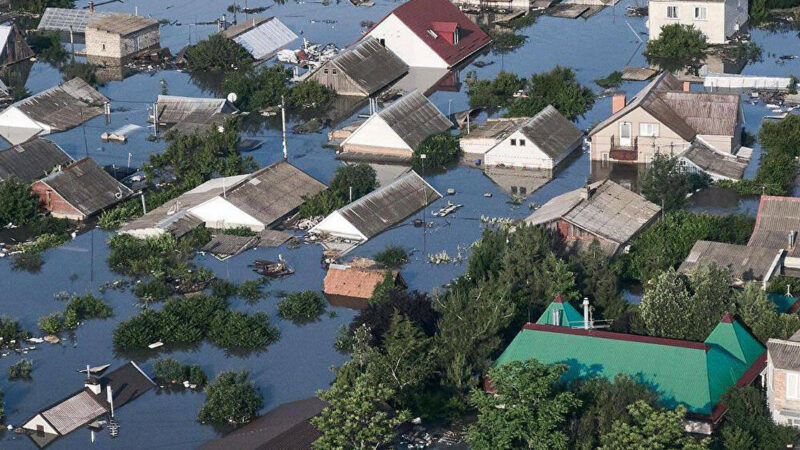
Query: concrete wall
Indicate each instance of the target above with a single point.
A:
(666, 142)
(721, 20)
(398, 38)
(376, 136)
(53, 202)
(113, 46)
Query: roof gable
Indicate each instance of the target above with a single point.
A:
(370, 65)
(552, 133)
(568, 315)
(413, 117)
(87, 187)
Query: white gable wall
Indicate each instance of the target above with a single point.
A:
(17, 127)
(38, 420)
(220, 213)
(397, 37)
(375, 132)
(528, 156)
(336, 225)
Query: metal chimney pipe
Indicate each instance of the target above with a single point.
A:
(585, 313)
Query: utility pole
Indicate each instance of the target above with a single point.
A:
(422, 157)
(283, 123)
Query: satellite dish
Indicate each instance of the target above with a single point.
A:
(232, 97)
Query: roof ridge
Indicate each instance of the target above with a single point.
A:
(619, 336)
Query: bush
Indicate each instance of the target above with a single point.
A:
(260, 89)
(47, 45)
(301, 307)
(613, 80)
(506, 41)
(309, 94)
(439, 150)
(11, 330)
(231, 400)
(154, 290)
(392, 257)
(223, 289)
(494, 94)
(170, 371)
(80, 308)
(52, 323)
(28, 262)
(21, 370)
(250, 290)
(237, 330)
(18, 205)
(218, 54)
(361, 177)
(559, 88)
(678, 47)
(84, 71)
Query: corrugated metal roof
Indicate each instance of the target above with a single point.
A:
(413, 117)
(74, 412)
(370, 65)
(61, 19)
(173, 109)
(87, 187)
(226, 245)
(387, 206)
(31, 160)
(785, 354)
(262, 37)
(553, 133)
(122, 24)
(65, 106)
(745, 263)
(714, 162)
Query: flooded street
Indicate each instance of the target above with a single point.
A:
(298, 364)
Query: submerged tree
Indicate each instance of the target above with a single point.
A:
(559, 88)
(18, 205)
(666, 183)
(678, 47)
(231, 400)
(218, 54)
(440, 150)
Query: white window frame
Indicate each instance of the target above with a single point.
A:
(628, 141)
(648, 129)
(672, 9)
(700, 13)
(792, 386)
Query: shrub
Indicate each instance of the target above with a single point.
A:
(21, 370)
(18, 205)
(47, 45)
(250, 291)
(361, 177)
(393, 257)
(218, 54)
(11, 330)
(260, 89)
(302, 307)
(153, 290)
(52, 323)
(677, 47)
(439, 150)
(309, 94)
(223, 288)
(84, 71)
(505, 41)
(494, 94)
(614, 79)
(28, 262)
(170, 371)
(80, 308)
(234, 329)
(231, 400)
(559, 88)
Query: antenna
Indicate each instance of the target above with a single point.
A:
(113, 425)
(283, 124)
(88, 372)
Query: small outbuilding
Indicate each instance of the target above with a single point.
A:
(396, 131)
(32, 160)
(57, 109)
(352, 285)
(79, 191)
(15, 49)
(602, 211)
(702, 158)
(362, 70)
(119, 36)
(192, 114)
(262, 37)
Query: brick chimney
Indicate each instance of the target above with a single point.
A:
(687, 86)
(617, 102)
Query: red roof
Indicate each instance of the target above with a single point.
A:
(420, 16)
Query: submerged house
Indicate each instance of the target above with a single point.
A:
(602, 211)
(117, 36)
(718, 20)
(396, 131)
(352, 285)
(15, 49)
(783, 380)
(362, 70)
(192, 114)
(430, 33)
(32, 160)
(379, 210)
(57, 109)
(665, 117)
(692, 374)
(262, 37)
(79, 191)
(256, 201)
(93, 402)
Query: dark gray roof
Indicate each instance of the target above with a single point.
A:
(785, 354)
(387, 206)
(273, 192)
(745, 263)
(604, 208)
(553, 133)
(31, 160)
(191, 110)
(413, 117)
(127, 383)
(87, 187)
(121, 24)
(714, 162)
(226, 245)
(370, 65)
(286, 427)
(65, 106)
(777, 217)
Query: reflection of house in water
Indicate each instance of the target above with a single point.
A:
(518, 183)
(14, 49)
(626, 175)
(107, 71)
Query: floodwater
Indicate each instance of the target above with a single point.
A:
(297, 365)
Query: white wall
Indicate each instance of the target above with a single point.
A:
(714, 26)
(220, 213)
(528, 156)
(336, 225)
(39, 420)
(375, 132)
(17, 127)
(406, 44)
(477, 146)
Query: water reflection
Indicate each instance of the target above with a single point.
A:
(624, 174)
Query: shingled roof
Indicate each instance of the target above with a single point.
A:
(176, 110)
(31, 160)
(370, 65)
(87, 187)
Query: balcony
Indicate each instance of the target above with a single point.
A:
(624, 152)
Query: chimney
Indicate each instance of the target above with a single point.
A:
(687, 86)
(94, 385)
(585, 313)
(556, 317)
(792, 239)
(585, 193)
(618, 101)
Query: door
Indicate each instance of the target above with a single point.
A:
(625, 134)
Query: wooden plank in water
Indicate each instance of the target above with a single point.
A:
(567, 11)
(638, 73)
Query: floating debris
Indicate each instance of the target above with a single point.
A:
(488, 195)
(446, 210)
(96, 370)
(272, 269)
(155, 345)
(439, 258)
(451, 191)
(52, 339)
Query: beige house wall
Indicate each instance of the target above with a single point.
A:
(103, 44)
(722, 20)
(376, 150)
(666, 142)
(776, 396)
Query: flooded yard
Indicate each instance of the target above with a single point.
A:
(298, 364)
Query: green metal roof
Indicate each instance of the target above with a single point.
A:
(783, 302)
(692, 374)
(569, 316)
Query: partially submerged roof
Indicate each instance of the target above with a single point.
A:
(87, 187)
(174, 109)
(262, 37)
(553, 134)
(381, 209)
(785, 303)
(715, 163)
(693, 374)
(688, 114)
(121, 24)
(64, 19)
(413, 117)
(429, 19)
(370, 65)
(495, 129)
(32, 160)
(354, 280)
(75, 412)
(777, 217)
(604, 208)
(286, 427)
(745, 263)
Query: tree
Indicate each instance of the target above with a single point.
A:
(260, 89)
(392, 257)
(357, 416)
(18, 205)
(231, 399)
(309, 94)
(758, 11)
(302, 307)
(524, 411)
(559, 88)
(218, 54)
(653, 429)
(494, 94)
(677, 47)
(666, 183)
(440, 150)
(598, 278)
(413, 305)
(21, 370)
(762, 317)
(361, 177)
(406, 361)
(748, 423)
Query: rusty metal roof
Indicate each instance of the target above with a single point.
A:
(31, 160)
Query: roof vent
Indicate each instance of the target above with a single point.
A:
(432, 33)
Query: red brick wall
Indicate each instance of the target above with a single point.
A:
(51, 201)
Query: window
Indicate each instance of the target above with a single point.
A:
(648, 129)
(513, 142)
(700, 13)
(514, 190)
(522, 142)
(325, 70)
(104, 47)
(523, 190)
(333, 71)
(672, 12)
(792, 385)
(604, 157)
